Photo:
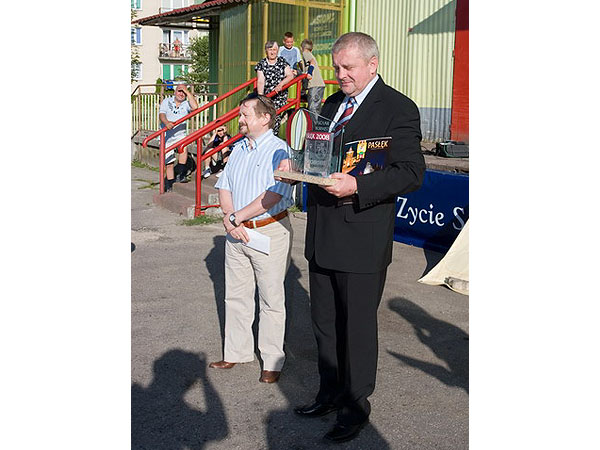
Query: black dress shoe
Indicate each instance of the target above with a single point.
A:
(344, 433)
(315, 410)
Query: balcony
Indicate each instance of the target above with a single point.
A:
(175, 51)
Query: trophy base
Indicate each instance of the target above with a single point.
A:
(306, 178)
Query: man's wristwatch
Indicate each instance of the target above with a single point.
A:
(232, 220)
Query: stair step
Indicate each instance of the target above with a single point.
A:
(181, 199)
(189, 189)
(176, 203)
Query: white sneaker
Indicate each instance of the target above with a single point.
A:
(206, 173)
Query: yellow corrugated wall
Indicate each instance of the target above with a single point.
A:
(416, 41)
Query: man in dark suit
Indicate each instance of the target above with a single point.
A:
(349, 233)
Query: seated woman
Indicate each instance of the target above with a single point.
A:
(218, 160)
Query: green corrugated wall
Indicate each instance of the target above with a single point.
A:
(415, 37)
(233, 40)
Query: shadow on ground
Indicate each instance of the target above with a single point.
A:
(448, 342)
(299, 382)
(299, 379)
(215, 261)
(160, 417)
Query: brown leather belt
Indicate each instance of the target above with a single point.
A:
(267, 221)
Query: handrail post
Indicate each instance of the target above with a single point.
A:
(138, 101)
(198, 207)
(161, 163)
(298, 93)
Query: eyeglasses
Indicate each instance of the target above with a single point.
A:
(261, 98)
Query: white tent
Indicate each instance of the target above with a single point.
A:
(453, 269)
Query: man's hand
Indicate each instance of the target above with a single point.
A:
(285, 166)
(308, 76)
(238, 232)
(345, 186)
(169, 125)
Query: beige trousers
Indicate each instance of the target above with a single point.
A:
(246, 268)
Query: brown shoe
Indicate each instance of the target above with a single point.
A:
(221, 365)
(269, 376)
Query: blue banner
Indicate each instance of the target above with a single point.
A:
(433, 216)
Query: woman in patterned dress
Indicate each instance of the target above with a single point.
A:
(273, 72)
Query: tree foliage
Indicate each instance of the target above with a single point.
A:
(135, 56)
(199, 66)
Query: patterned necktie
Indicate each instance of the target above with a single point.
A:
(345, 117)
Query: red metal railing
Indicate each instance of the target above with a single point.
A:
(162, 131)
(200, 133)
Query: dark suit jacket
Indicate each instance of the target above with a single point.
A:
(359, 238)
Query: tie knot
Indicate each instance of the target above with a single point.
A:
(345, 117)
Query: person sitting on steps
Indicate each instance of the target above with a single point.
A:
(172, 109)
(217, 161)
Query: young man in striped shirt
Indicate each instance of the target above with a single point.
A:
(251, 198)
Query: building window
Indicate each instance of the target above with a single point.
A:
(136, 4)
(137, 71)
(136, 36)
(169, 36)
(169, 5)
(172, 71)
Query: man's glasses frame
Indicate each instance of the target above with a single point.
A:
(261, 98)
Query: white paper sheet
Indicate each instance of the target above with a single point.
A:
(258, 241)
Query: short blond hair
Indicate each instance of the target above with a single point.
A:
(307, 44)
(362, 41)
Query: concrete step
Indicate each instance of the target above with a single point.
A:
(181, 199)
(189, 189)
(176, 203)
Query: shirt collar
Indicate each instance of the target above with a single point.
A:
(174, 101)
(360, 97)
(262, 138)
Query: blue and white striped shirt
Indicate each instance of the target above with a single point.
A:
(249, 173)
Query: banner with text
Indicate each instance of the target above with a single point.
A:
(433, 216)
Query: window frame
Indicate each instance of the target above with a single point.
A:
(139, 71)
(185, 69)
(134, 32)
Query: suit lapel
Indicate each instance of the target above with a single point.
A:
(364, 113)
(330, 109)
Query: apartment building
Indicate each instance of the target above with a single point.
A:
(163, 51)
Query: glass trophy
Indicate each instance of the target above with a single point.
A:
(311, 146)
